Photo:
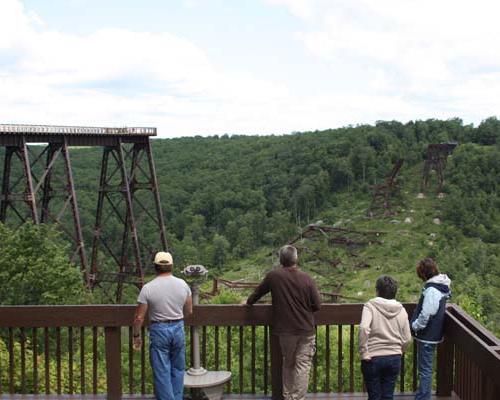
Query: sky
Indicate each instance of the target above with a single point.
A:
(207, 67)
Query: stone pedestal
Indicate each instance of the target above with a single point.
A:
(210, 384)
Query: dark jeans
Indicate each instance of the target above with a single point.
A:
(380, 374)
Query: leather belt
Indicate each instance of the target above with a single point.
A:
(166, 321)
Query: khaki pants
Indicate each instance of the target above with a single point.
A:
(297, 352)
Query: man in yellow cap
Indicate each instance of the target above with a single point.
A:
(168, 299)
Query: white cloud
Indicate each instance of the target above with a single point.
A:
(117, 76)
(426, 51)
(390, 59)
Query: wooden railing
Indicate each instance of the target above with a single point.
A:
(468, 359)
(88, 349)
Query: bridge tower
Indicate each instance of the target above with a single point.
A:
(436, 160)
(38, 185)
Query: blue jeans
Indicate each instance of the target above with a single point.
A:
(380, 374)
(167, 356)
(425, 356)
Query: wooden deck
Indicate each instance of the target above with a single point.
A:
(316, 396)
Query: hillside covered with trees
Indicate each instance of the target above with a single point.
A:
(230, 201)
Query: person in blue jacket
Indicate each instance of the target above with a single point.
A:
(428, 321)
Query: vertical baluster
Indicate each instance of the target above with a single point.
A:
(414, 376)
(351, 359)
(82, 360)
(34, 339)
(327, 359)
(191, 345)
(216, 344)
(241, 359)
(143, 361)
(58, 360)
(228, 353)
(253, 360)
(46, 359)
(94, 359)
(1, 369)
(204, 346)
(458, 383)
(70, 359)
(22, 335)
(340, 373)
(469, 378)
(130, 360)
(266, 365)
(402, 375)
(11, 360)
(315, 363)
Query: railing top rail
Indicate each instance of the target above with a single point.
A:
(122, 315)
(12, 129)
(466, 339)
(484, 334)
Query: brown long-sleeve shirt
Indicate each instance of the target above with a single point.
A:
(295, 298)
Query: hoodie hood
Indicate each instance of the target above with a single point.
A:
(441, 282)
(441, 279)
(388, 308)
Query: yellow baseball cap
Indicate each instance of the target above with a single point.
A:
(163, 258)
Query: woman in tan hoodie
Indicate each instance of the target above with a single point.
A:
(384, 335)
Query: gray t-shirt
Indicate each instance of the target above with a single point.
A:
(165, 297)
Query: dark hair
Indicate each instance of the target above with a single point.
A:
(386, 287)
(427, 268)
(288, 256)
(161, 268)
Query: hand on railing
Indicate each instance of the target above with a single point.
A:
(137, 343)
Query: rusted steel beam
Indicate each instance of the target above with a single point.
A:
(383, 193)
(130, 211)
(156, 194)
(79, 243)
(5, 200)
(30, 192)
(132, 181)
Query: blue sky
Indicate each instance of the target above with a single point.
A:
(204, 67)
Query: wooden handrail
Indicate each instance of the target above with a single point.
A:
(464, 337)
(122, 315)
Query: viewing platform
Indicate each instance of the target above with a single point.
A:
(75, 352)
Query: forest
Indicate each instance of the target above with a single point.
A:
(231, 201)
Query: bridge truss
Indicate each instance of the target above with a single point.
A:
(38, 185)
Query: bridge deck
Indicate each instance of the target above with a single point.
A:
(15, 129)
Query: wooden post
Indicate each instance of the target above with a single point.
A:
(113, 362)
(276, 368)
(444, 378)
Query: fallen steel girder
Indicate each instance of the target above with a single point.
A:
(383, 194)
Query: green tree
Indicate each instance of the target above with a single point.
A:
(34, 268)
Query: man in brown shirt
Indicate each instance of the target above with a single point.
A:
(295, 298)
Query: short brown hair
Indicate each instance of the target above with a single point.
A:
(162, 268)
(386, 287)
(288, 256)
(427, 268)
